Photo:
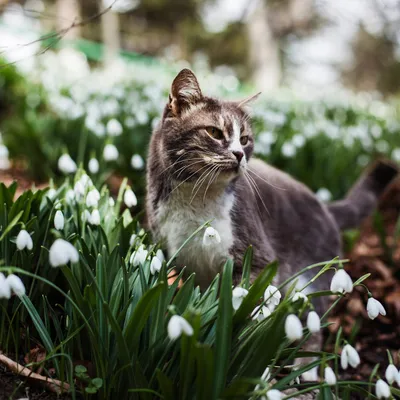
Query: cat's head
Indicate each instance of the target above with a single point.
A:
(202, 136)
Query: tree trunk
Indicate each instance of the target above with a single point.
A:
(111, 35)
(68, 11)
(264, 50)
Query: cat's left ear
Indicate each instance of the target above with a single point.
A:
(248, 100)
(185, 91)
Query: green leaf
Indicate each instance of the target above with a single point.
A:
(247, 262)
(224, 330)
(11, 225)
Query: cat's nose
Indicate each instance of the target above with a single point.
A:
(238, 154)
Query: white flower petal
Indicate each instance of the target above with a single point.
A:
(155, 265)
(274, 394)
(59, 220)
(313, 322)
(62, 252)
(382, 389)
(330, 377)
(24, 240)
(16, 285)
(341, 282)
(391, 373)
(93, 166)
(293, 327)
(130, 199)
(5, 289)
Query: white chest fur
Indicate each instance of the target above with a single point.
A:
(178, 219)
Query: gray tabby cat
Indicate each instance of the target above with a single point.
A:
(200, 167)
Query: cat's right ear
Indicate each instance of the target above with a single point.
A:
(185, 91)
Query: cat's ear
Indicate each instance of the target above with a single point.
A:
(248, 100)
(185, 91)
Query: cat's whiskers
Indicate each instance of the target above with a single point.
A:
(182, 169)
(179, 162)
(213, 177)
(200, 182)
(268, 183)
(251, 179)
(194, 173)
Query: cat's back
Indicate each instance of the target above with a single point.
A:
(299, 227)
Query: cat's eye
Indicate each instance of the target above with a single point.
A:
(215, 132)
(244, 140)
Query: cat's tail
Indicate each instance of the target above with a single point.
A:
(363, 196)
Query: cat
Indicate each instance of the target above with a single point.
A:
(200, 168)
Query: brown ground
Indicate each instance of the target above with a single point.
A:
(369, 255)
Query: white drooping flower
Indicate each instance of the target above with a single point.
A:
(93, 166)
(62, 252)
(382, 390)
(132, 239)
(238, 294)
(274, 394)
(79, 190)
(160, 255)
(95, 217)
(86, 216)
(130, 199)
(85, 181)
(211, 236)
(311, 375)
(341, 282)
(137, 161)
(391, 373)
(293, 327)
(110, 152)
(5, 290)
(330, 377)
(323, 195)
(155, 265)
(24, 240)
(349, 356)
(272, 297)
(299, 296)
(178, 325)
(374, 308)
(15, 284)
(92, 198)
(313, 322)
(51, 193)
(139, 256)
(114, 128)
(111, 202)
(262, 312)
(70, 196)
(59, 220)
(66, 164)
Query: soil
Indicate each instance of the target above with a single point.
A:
(376, 252)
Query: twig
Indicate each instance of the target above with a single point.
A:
(53, 385)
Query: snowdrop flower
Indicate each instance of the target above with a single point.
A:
(15, 284)
(79, 189)
(330, 377)
(160, 255)
(86, 181)
(130, 199)
(293, 327)
(341, 282)
(70, 196)
(272, 297)
(24, 240)
(86, 216)
(391, 373)
(59, 220)
(62, 252)
(110, 152)
(374, 308)
(349, 356)
(155, 265)
(132, 239)
(94, 217)
(139, 256)
(178, 325)
(92, 198)
(5, 290)
(310, 375)
(260, 313)
(382, 389)
(211, 236)
(66, 164)
(51, 193)
(114, 128)
(323, 195)
(238, 294)
(93, 166)
(299, 296)
(313, 322)
(137, 161)
(274, 394)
